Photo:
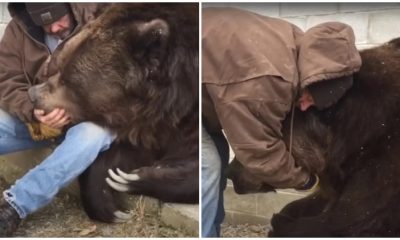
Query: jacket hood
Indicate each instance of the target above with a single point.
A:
(327, 51)
(83, 12)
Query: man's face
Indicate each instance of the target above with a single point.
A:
(305, 101)
(60, 28)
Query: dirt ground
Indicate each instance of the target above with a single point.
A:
(244, 231)
(65, 217)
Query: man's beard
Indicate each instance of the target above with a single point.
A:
(63, 34)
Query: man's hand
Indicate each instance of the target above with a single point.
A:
(57, 118)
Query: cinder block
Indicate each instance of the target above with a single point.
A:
(366, 46)
(307, 9)
(261, 204)
(257, 208)
(365, 6)
(2, 11)
(358, 21)
(236, 218)
(5, 15)
(270, 203)
(14, 166)
(206, 5)
(2, 29)
(300, 22)
(384, 26)
(267, 9)
(239, 203)
(182, 216)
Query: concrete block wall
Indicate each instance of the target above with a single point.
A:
(373, 24)
(4, 17)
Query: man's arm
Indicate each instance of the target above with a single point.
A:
(13, 83)
(251, 114)
(259, 146)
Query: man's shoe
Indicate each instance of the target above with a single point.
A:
(9, 220)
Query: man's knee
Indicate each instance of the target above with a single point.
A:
(90, 132)
(210, 157)
(7, 123)
(210, 160)
(3, 113)
(5, 116)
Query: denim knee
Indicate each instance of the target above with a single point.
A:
(211, 171)
(90, 133)
(210, 165)
(210, 160)
(7, 124)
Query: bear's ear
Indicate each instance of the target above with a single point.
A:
(394, 45)
(150, 45)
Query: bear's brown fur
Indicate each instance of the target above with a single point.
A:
(134, 70)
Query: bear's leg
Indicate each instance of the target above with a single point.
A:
(99, 200)
(311, 205)
(170, 181)
(363, 209)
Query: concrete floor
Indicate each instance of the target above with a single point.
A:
(256, 208)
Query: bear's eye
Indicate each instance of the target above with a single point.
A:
(61, 82)
(50, 88)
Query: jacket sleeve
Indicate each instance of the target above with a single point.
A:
(13, 83)
(252, 124)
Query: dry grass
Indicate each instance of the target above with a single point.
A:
(244, 230)
(65, 217)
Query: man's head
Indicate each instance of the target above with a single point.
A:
(324, 94)
(55, 18)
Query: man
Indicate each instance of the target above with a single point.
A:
(254, 69)
(31, 42)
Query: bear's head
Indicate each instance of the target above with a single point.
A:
(134, 70)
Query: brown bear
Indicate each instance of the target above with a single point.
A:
(135, 71)
(354, 147)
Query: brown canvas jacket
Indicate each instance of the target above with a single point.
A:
(253, 67)
(25, 59)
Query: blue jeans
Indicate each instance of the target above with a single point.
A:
(78, 149)
(214, 161)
